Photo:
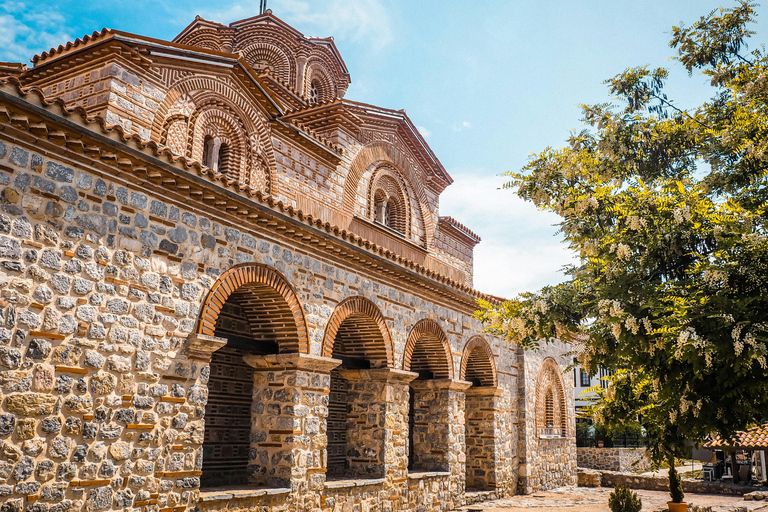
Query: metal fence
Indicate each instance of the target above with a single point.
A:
(591, 439)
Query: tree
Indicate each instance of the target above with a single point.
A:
(667, 209)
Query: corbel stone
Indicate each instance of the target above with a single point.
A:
(442, 384)
(295, 361)
(380, 375)
(484, 391)
(202, 346)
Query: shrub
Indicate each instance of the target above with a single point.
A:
(624, 500)
(675, 485)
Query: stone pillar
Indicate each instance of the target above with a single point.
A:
(438, 435)
(483, 440)
(377, 433)
(288, 438)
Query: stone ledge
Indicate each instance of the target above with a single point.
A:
(230, 494)
(418, 475)
(362, 482)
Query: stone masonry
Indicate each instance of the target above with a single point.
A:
(190, 254)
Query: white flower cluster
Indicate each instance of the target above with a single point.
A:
(623, 252)
(631, 324)
(585, 204)
(715, 277)
(682, 214)
(636, 223)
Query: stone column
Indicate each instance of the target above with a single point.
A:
(288, 437)
(438, 435)
(483, 440)
(377, 439)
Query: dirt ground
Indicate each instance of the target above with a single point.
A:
(583, 499)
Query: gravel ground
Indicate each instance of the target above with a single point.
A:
(585, 499)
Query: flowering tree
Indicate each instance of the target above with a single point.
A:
(667, 210)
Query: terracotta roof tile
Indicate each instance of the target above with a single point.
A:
(755, 437)
(57, 106)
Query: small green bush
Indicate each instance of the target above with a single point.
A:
(675, 485)
(624, 500)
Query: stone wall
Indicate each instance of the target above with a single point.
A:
(613, 459)
(661, 483)
(546, 461)
(103, 381)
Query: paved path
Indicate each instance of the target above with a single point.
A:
(584, 499)
(680, 469)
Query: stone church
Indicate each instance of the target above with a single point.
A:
(223, 286)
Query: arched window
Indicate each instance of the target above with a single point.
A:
(551, 403)
(388, 205)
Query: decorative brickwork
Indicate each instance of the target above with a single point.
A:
(357, 329)
(427, 349)
(169, 319)
(267, 297)
(551, 406)
(478, 364)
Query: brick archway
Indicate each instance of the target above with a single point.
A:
(360, 318)
(427, 348)
(274, 301)
(478, 363)
(551, 406)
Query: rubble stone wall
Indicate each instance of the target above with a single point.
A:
(613, 459)
(102, 283)
(546, 461)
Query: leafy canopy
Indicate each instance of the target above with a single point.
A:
(667, 210)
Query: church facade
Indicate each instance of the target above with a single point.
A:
(224, 286)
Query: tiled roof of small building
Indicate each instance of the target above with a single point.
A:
(755, 438)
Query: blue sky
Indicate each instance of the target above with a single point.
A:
(487, 83)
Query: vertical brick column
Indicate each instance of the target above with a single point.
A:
(377, 433)
(483, 440)
(288, 437)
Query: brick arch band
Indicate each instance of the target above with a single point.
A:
(427, 348)
(375, 154)
(550, 380)
(371, 328)
(478, 363)
(269, 283)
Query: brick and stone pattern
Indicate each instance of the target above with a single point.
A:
(631, 460)
(546, 461)
(104, 380)
(126, 252)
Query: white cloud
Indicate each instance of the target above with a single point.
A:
(460, 127)
(364, 22)
(28, 30)
(424, 132)
(519, 250)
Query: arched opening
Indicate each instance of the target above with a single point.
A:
(482, 457)
(551, 406)
(427, 353)
(388, 202)
(256, 318)
(357, 335)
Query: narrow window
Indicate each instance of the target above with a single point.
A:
(223, 165)
(380, 213)
(549, 409)
(585, 380)
(211, 153)
(313, 93)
